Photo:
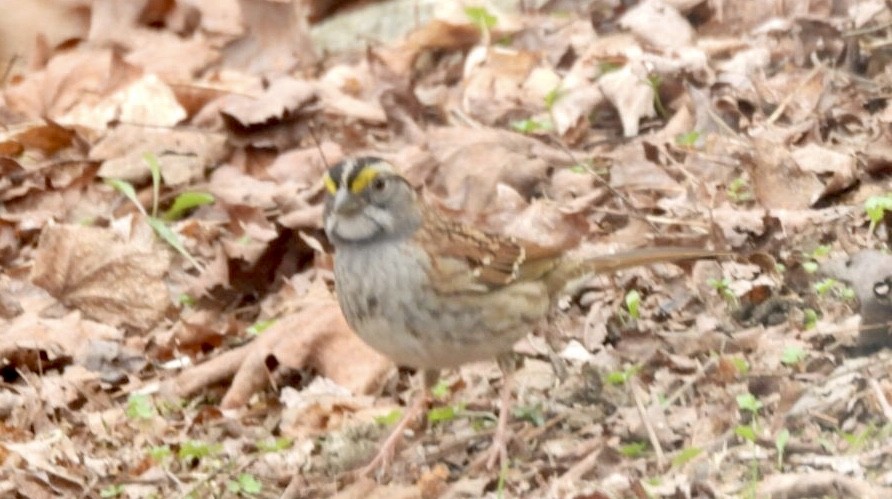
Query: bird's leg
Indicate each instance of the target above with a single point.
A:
(498, 451)
(384, 457)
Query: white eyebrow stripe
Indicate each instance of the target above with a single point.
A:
(349, 166)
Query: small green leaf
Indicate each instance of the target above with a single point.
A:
(260, 326)
(740, 364)
(747, 402)
(185, 202)
(825, 286)
(159, 453)
(578, 169)
(389, 419)
(739, 190)
(820, 252)
(275, 444)
(793, 355)
(140, 406)
(112, 491)
(746, 432)
(687, 139)
(685, 456)
(620, 377)
(633, 301)
(186, 300)
(811, 318)
(810, 267)
(531, 413)
(876, 207)
(532, 125)
(780, 443)
(196, 449)
(441, 414)
(152, 161)
(127, 190)
(634, 449)
(171, 238)
(248, 484)
(553, 96)
(481, 17)
(441, 389)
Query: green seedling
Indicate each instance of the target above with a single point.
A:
(160, 453)
(259, 327)
(747, 402)
(741, 365)
(159, 225)
(140, 407)
(688, 139)
(531, 413)
(780, 443)
(532, 125)
(440, 390)
(723, 288)
(655, 81)
(245, 484)
(275, 444)
(112, 491)
(196, 450)
(481, 17)
(876, 207)
(793, 355)
(685, 456)
(389, 419)
(746, 432)
(811, 318)
(621, 377)
(553, 96)
(634, 449)
(185, 202)
(739, 190)
(633, 303)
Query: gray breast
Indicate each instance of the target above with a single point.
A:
(384, 293)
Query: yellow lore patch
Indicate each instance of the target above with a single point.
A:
(330, 184)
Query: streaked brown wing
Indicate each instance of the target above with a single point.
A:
(473, 260)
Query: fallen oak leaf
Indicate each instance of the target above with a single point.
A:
(316, 336)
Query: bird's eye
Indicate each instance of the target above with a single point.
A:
(378, 184)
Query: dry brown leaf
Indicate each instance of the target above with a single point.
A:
(839, 166)
(71, 81)
(473, 162)
(183, 155)
(282, 99)
(659, 25)
(630, 92)
(96, 271)
(777, 181)
(317, 336)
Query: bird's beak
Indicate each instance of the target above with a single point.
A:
(346, 203)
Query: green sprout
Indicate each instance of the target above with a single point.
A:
(633, 303)
(876, 207)
(739, 190)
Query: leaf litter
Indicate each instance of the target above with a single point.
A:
(222, 366)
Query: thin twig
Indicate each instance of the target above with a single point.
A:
(651, 434)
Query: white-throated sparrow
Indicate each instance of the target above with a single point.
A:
(431, 293)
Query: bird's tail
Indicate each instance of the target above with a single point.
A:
(570, 271)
